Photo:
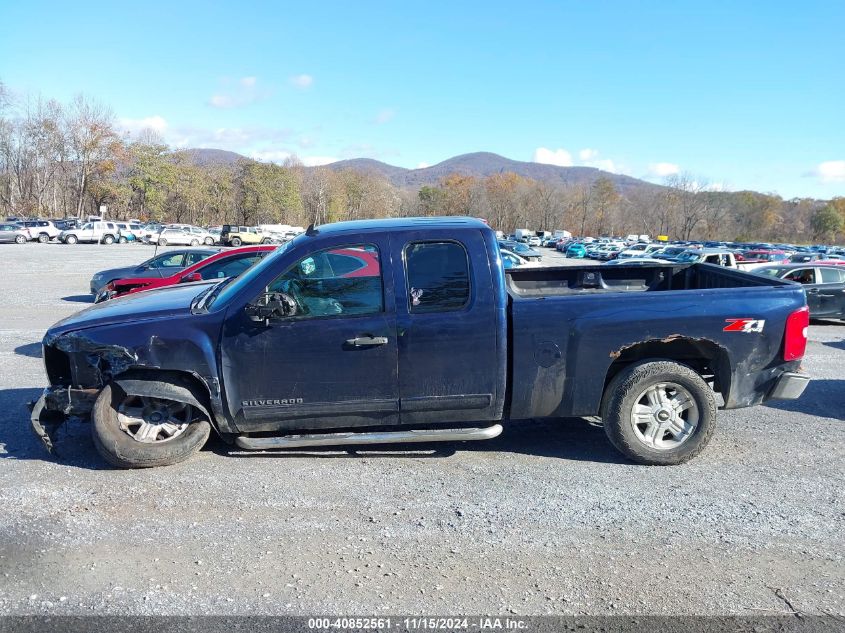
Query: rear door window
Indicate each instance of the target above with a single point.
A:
(194, 258)
(831, 275)
(802, 276)
(437, 276)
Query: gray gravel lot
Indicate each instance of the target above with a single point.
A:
(547, 518)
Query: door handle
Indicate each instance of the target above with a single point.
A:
(367, 341)
(813, 291)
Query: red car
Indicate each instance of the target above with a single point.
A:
(761, 256)
(230, 263)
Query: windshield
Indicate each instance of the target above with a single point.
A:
(227, 289)
(688, 257)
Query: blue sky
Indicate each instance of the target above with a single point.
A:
(744, 95)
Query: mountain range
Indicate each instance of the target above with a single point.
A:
(476, 164)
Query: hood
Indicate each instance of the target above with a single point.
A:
(118, 273)
(153, 304)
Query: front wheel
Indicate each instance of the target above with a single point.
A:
(162, 241)
(209, 241)
(141, 432)
(108, 239)
(43, 238)
(236, 241)
(659, 413)
(122, 240)
(71, 239)
(20, 239)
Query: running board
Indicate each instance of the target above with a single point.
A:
(378, 437)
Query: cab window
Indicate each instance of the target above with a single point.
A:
(317, 289)
(831, 275)
(437, 276)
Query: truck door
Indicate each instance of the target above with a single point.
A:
(449, 368)
(332, 361)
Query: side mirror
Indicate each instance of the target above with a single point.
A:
(192, 277)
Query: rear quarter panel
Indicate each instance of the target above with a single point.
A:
(563, 347)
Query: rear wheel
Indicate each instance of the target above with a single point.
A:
(162, 241)
(71, 239)
(209, 241)
(122, 240)
(133, 431)
(266, 240)
(659, 413)
(195, 242)
(43, 238)
(236, 241)
(108, 239)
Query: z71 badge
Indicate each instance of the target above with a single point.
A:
(744, 325)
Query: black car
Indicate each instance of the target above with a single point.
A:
(824, 285)
(162, 265)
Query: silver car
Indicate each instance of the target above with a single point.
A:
(184, 235)
(13, 233)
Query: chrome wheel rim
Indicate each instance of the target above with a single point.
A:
(152, 420)
(664, 416)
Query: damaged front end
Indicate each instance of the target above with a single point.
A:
(77, 368)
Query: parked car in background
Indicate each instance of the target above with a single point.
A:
(129, 232)
(634, 261)
(521, 249)
(182, 235)
(534, 241)
(765, 257)
(41, 230)
(12, 232)
(823, 284)
(576, 250)
(221, 265)
(162, 265)
(717, 256)
(235, 235)
(512, 260)
(92, 233)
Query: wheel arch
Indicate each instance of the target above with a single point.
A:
(707, 358)
(181, 386)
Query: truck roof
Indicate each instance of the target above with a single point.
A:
(366, 226)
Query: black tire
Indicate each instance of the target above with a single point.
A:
(162, 241)
(20, 239)
(121, 450)
(209, 241)
(266, 240)
(122, 240)
(236, 241)
(71, 239)
(629, 386)
(108, 239)
(43, 238)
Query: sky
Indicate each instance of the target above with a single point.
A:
(740, 95)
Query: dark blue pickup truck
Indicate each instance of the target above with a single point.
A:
(410, 330)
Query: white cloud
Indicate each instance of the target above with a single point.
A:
(588, 154)
(559, 157)
(133, 126)
(313, 161)
(242, 93)
(831, 171)
(422, 165)
(385, 115)
(661, 170)
(302, 81)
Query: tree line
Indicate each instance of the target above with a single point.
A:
(66, 160)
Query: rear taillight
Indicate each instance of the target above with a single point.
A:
(795, 338)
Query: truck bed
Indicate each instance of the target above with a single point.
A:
(569, 280)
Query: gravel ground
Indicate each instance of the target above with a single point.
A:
(547, 518)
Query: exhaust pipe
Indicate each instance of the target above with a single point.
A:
(378, 437)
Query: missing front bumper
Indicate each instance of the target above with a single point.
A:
(54, 406)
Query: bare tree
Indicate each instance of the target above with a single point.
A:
(91, 137)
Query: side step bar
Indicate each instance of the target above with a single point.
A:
(378, 437)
